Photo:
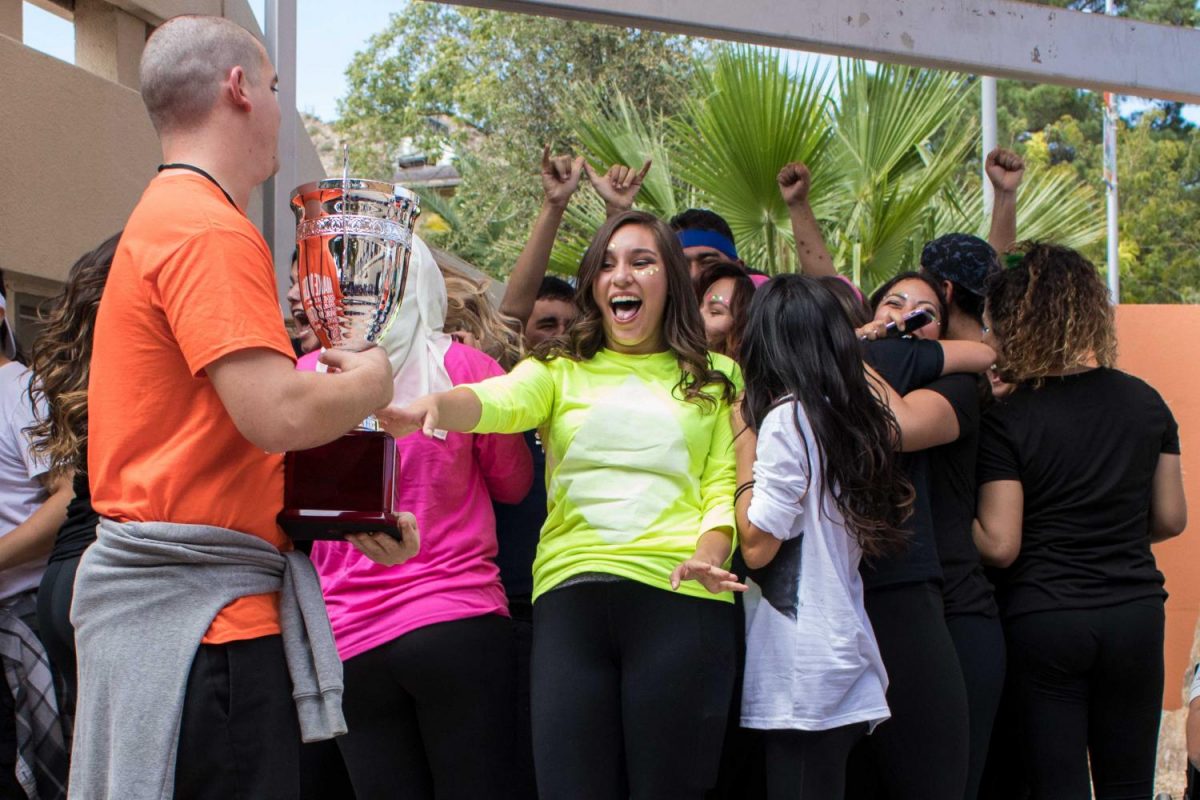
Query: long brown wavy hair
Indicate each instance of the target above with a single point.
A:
(62, 355)
(1050, 313)
(683, 330)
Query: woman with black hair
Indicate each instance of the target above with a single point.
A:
(818, 489)
(927, 693)
(633, 657)
(1079, 472)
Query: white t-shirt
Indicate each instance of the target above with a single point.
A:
(812, 662)
(20, 490)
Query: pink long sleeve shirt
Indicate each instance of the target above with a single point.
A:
(449, 485)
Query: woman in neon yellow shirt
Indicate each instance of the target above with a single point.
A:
(634, 625)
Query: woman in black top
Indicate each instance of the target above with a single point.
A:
(1079, 472)
(61, 356)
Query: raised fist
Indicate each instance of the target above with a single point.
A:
(794, 182)
(1004, 169)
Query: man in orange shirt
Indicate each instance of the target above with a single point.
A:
(192, 400)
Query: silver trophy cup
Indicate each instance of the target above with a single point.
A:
(354, 240)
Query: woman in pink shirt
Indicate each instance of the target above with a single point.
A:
(427, 644)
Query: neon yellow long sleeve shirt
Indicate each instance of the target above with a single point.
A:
(634, 474)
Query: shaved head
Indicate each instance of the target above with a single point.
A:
(185, 61)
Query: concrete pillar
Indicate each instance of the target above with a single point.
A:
(108, 41)
(11, 19)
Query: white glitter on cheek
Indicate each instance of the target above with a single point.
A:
(648, 271)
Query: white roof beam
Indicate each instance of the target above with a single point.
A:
(985, 37)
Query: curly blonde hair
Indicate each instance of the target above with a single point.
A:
(469, 308)
(1051, 314)
(62, 355)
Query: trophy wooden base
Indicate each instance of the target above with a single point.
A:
(342, 487)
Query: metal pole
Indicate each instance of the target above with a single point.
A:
(1110, 188)
(279, 228)
(987, 124)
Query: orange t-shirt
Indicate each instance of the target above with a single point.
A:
(191, 281)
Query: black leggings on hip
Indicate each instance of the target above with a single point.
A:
(631, 688)
(431, 713)
(979, 642)
(54, 623)
(921, 752)
(1089, 682)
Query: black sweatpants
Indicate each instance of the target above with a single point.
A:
(921, 752)
(239, 738)
(1090, 682)
(809, 765)
(979, 642)
(631, 690)
(431, 713)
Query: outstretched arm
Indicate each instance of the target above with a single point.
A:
(794, 183)
(1004, 169)
(560, 179)
(456, 410)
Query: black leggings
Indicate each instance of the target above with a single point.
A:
(979, 642)
(809, 765)
(921, 752)
(54, 623)
(431, 713)
(631, 689)
(1089, 681)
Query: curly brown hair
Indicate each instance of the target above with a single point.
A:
(1050, 313)
(62, 355)
(683, 330)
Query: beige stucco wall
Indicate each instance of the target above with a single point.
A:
(76, 146)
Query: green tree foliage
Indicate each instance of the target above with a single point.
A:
(493, 88)
(1158, 165)
(887, 158)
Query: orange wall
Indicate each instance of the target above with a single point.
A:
(1159, 345)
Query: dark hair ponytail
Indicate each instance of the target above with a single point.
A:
(799, 347)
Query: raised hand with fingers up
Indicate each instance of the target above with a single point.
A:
(560, 177)
(619, 186)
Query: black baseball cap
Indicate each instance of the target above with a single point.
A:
(962, 259)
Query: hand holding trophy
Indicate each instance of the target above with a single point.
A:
(355, 241)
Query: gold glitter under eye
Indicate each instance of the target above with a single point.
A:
(647, 270)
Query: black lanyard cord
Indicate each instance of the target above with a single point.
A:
(198, 171)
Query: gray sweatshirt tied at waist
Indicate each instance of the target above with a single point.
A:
(145, 594)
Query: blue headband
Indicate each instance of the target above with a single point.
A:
(695, 237)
